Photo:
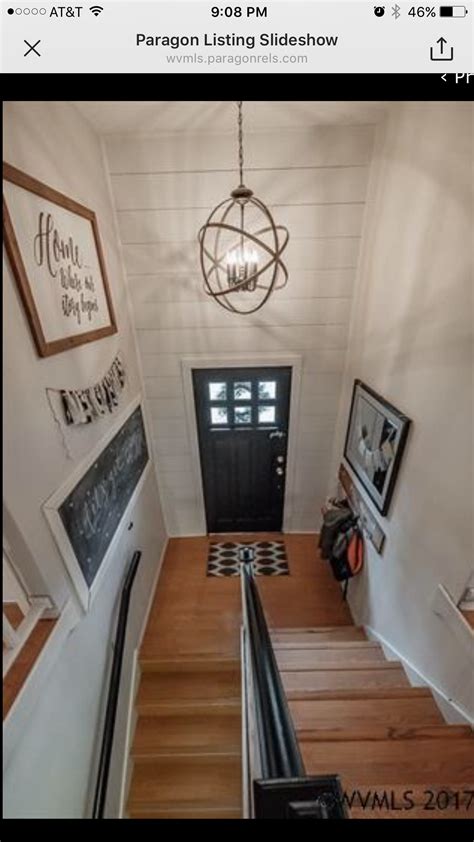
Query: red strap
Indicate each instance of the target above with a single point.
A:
(355, 552)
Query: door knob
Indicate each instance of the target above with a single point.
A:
(280, 472)
(280, 459)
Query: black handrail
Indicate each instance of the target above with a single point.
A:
(279, 751)
(114, 685)
(284, 790)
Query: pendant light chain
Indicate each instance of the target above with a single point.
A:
(241, 143)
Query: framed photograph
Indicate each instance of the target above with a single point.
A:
(87, 514)
(54, 249)
(375, 440)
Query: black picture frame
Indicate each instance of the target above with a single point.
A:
(375, 442)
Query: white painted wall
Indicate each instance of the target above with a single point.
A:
(12, 590)
(164, 188)
(49, 773)
(411, 340)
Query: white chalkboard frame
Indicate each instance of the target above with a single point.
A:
(51, 508)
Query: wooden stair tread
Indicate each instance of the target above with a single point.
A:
(348, 646)
(186, 811)
(348, 652)
(360, 762)
(156, 687)
(381, 732)
(191, 732)
(192, 707)
(397, 711)
(343, 679)
(189, 665)
(306, 663)
(323, 637)
(198, 779)
(316, 630)
(356, 693)
(176, 752)
(340, 658)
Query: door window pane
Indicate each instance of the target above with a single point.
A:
(242, 391)
(243, 415)
(218, 415)
(217, 391)
(267, 390)
(266, 414)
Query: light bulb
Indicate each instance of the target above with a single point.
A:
(231, 260)
(242, 264)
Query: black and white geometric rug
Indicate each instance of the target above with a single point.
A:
(269, 558)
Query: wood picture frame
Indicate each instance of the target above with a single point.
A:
(55, 252)
(375, 441)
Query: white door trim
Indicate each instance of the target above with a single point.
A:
(293, 361)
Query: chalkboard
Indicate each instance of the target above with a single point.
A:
(93, 510)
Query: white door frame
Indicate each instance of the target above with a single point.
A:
(293, 361)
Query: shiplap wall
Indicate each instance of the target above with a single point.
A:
(315, 181)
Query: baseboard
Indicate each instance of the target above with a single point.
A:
(187, 535)
(301, 532)
(130, 728)
(452, 712)
(212, 534)
(152, 594)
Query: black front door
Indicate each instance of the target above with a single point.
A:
(242, 417)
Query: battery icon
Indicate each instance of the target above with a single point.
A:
(452, 11)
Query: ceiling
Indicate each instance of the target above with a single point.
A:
(178, 116)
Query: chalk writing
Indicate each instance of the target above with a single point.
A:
(92, 511)
(105, 493)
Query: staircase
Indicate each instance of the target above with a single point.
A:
(354, 713)
(187, 745)
(357, 716)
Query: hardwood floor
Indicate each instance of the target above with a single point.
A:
(469, 616)
(13, 613)
(197, 614)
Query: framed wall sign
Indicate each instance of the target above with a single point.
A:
(375, 440)
(54, 249)
(86, 513)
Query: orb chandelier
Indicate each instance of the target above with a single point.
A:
(241, 248)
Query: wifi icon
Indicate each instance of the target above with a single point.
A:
(96, 10)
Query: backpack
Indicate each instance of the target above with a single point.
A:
(347, 556)
(334, 520)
